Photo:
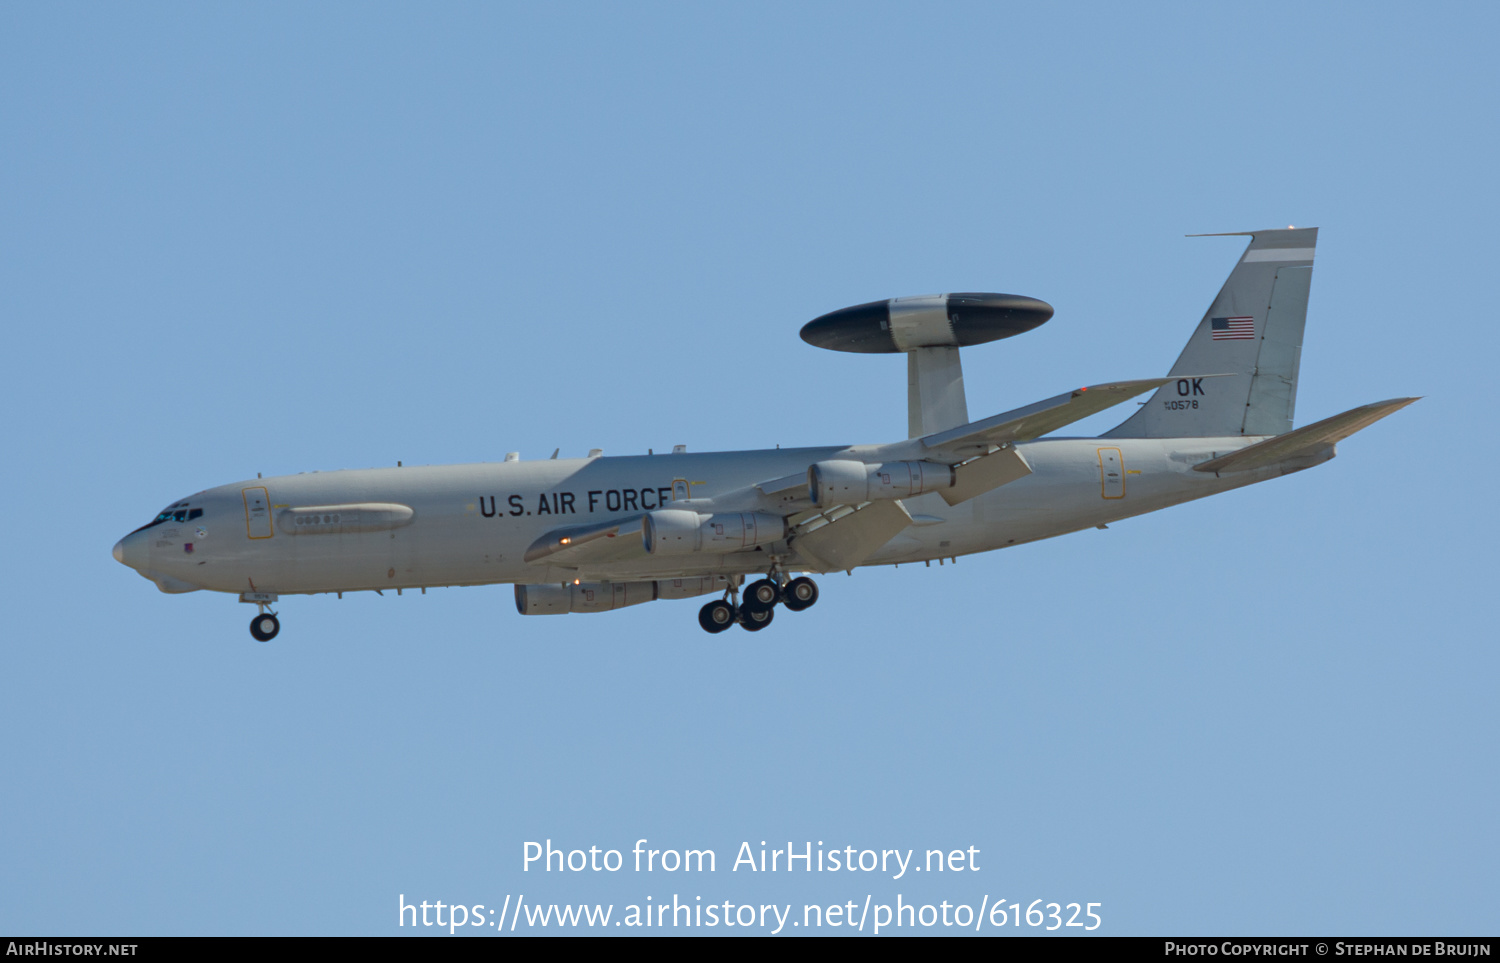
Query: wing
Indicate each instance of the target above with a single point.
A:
(616, 540)
(984, 450)
(984, 472)
(1036, 420)
(846, 535)
(843, 536)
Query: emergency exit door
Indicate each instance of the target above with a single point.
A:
(1111, 473)
(257, 512)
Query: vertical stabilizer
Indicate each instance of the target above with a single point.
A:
(1252, 334)
(934, 391)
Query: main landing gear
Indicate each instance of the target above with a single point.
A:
(716, 616)
(759, 605)
(800, 593)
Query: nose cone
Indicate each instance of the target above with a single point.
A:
(132, 551)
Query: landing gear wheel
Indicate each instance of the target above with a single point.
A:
(715, 617)
(800, 593)
(754, 617)
(764, 593)
(264, 627)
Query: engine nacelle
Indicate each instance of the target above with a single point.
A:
(555, 599)
(686, 588)
(581, 597)
(679, 531)
(845, 481)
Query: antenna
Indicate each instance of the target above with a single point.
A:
(929, 330)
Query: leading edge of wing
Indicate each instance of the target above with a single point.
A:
(581, 543)
(1033, 421)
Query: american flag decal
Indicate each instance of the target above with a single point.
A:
(1233, 329)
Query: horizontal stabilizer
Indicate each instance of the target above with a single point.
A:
(1036, 420)
(1311, 441)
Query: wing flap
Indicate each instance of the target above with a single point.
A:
(848, 539)
(1306, 441)
(982, 474)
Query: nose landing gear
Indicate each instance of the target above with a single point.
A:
(265, 626)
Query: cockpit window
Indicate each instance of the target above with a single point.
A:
(173, 513)
(163, 517)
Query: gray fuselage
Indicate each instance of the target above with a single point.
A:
(471, 524)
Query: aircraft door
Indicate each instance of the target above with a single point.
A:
(257, 512)
(680, 490)
(1111, 473)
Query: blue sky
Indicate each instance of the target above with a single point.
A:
(280, 238)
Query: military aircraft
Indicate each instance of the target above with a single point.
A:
(596, 534)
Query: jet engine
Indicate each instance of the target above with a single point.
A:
(844, 481)
(556, 599)
(678, 531)
(686, 588)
